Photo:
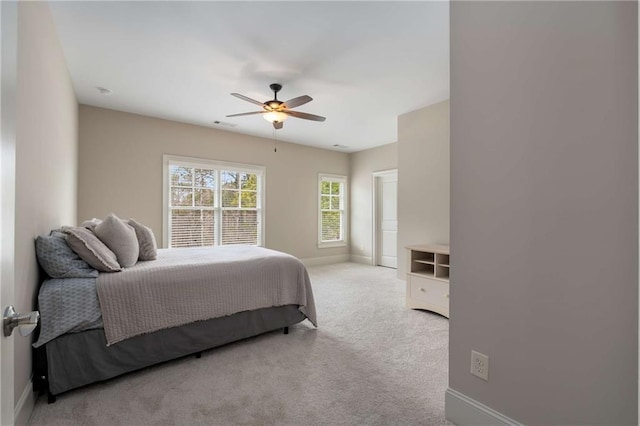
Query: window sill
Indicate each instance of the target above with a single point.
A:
(332, 244)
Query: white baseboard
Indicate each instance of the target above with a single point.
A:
(462, 410)
(361, 259)
(25, 405)
(325, 260)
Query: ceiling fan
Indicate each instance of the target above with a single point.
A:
(276, 111)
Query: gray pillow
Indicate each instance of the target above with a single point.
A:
(58, 260)
(91, 224)
(93, 251)
(120, 238)
(146, 241)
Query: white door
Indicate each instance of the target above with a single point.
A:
(8, 44)
(387, 219)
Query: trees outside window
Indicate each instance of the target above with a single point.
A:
(212, 203)
(332, 210)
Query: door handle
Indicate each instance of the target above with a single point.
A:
(26, 323)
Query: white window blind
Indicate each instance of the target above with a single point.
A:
(212, 203)
(332, 210)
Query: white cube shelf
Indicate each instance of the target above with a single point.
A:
(428, 278)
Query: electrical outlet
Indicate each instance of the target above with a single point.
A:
(480, 365)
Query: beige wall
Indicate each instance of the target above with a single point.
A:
(120, 171)
(423, 178)
(544, 208)
(363, 164)
(46, 157)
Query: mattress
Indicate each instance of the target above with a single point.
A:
(185, 285)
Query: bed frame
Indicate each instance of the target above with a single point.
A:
(78, 359)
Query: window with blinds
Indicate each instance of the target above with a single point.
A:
(332, 210)
(212, 203)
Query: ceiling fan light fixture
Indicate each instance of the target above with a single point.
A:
(275, 116)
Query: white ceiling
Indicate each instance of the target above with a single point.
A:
(364, 63)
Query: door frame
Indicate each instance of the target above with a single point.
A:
(8, 90)
(375, 183)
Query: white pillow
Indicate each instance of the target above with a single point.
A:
(120, 238)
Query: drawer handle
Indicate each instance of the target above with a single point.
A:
(422, 289)
(446, 295)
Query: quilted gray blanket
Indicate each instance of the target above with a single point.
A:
(185, 285)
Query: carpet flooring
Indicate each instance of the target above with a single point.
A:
(370, 362)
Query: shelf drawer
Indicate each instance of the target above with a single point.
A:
(431, 292)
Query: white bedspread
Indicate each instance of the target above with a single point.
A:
(185, 285)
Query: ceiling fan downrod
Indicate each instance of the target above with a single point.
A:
(276, 88)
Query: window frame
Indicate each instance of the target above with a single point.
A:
(219, 166)
(344, 181)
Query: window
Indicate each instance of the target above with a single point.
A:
(332, 215)
(210, 203)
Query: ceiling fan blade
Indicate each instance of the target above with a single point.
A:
(244, 98)
(277, 124)
(246, 113)
(300, 100)
(305, 115)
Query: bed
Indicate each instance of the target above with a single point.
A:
(184, 302)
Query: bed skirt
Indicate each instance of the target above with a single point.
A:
(78, 359)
